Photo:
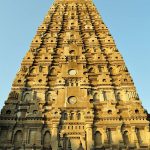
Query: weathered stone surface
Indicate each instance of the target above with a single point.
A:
(73, 90)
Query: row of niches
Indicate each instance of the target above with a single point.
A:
(100, 137)
(126, 134)
(102, 95)
(71, 23)
(41, 80)
(73, 127)
(94, 49)
(41, 70)
(44, 69)
(45, 81)
(72, 115)
(105, 112)
(44, 56)
(78, 8)
(17, 137)
(73, 15)
(119, 95)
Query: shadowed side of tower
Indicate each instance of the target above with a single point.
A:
(73, 90)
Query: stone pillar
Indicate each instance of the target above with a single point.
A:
(39, 137)
(82, 138)
(105, 136)
(147, 134)
(119, 138)
(56, 115)
(125, 95)
(55, 137)
(10, 134)
(111, 95)
(89, 136)
(101, 95)
(25, 135)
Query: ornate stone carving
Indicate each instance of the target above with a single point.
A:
(73, 90)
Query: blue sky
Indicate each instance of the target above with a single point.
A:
(128, 22)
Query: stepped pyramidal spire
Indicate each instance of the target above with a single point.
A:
(73, 90)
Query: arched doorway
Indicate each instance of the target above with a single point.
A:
(47, 139)
(18, 138)
(98, 139)
(126, 138)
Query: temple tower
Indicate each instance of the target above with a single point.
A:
(73, 90)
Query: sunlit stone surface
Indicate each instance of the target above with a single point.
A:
(73, 90)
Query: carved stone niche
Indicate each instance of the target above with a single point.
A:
(29, 57)
(20, 80)
(50, 97)
(110, 110)
(9, 110)
(24, 69)
(136, 110)
(13, 95)
(42, 29)
(36, 42)
(115, 56)
(102, 27)
(56, 28)
(53, 70)
(104, 79)
(27, 97)
(114, 69)
(88, 27)
(40, 80)
(33, 70)
(34, 111)
(93, 41)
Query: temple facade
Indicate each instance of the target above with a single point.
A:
(73, 90)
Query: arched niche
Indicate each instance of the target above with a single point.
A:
(32, 70)
(109, 135)
(98, 139)
(79, 116)
(91, 70)
(26, 97)
(96, 97)
(72, 116)
(47, 139)
(126, 138)
(65, 116)
(53, 71)
(49, 97)
(18, 137)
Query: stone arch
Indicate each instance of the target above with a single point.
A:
(98, 139)
(126, 138)
(47, 139)
(18, 137)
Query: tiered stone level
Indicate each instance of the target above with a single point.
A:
(73, 91)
